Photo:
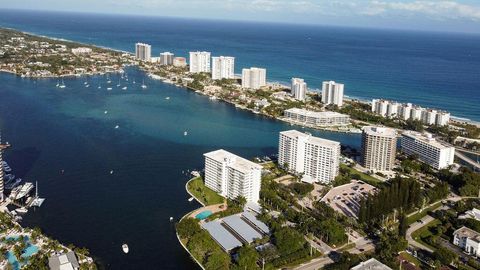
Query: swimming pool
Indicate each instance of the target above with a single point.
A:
(27, 253)
(203, 215)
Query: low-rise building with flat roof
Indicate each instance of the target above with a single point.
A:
(65, 261)
(468, 240)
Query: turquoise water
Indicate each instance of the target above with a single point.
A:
(203, 215)
(27, 253)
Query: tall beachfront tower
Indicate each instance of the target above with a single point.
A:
(332, 93)
(199, 62)
(143, 52)
(2, 188)
(254, 78)
(379, 147)
(232, 176)
(299, 89)
(223, 67)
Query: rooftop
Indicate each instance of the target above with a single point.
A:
(468, 233)
(65, 261)
(325, 114)
(371, 264)
(380, 131)
(235, 161)
(243, 229)
(426, 138)
(310, 138)
(223, 237)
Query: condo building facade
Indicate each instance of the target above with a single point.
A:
(318, 119)
(232, 176)
(223, 67)
(437, 154)
(254, 78)
(379, 148)
(179, 62)
(316, 159)
(332, 93)
(143, 52)
(199, 62)
(406, 111)
(299, 89)
(166, 58)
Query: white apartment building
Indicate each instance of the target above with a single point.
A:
(143, 52)
(468, 240)
(166, 58)
(179, 62)
(81, 50)
(199, 62)
(332, 93)
(223, 67)
(319, 119)
(430, 151)
(407, 111)
(379, 147)
(232, 176)
(254, 78)
(299, 89)
(315, 158)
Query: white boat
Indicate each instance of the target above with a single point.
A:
(99, 87)
(21, 210)
(185, 133)
(109, 88)
(134, 81)
(105, 112)
(111, 172)
(87, 85)
(117, 127)
(58, 84)
(144, 86)
(167, 98)
(62, 85)
(124, 88)
(191, 199)
(171, 219)
(24, 190)
(125, 248)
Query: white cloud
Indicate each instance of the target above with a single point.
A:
(433, 9)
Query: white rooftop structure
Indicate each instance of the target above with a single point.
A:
(223, 237)
(371, 264)
(247, 233)
(65, 261)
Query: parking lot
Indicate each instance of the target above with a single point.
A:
(346, 198)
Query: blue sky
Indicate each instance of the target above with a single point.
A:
(438, 15)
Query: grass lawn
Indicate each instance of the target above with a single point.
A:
(424, 232)
(202, 193)
(411, 259)
(363, 177)
(411, 219)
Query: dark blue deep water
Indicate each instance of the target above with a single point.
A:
(431, 69)
(55, 129)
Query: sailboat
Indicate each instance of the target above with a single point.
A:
(143, 85)
(118, 85)
(58, 84)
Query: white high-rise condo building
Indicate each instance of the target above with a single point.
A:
(166, 58)
(332, 93)
(254, 78)
(299, 89)
(143, 52)
(315, 158)
(223, 67)
(379, 147)
(408, 111)
(232, 176)
(428, 150)
(199, 62)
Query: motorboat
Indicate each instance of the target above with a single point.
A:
(190, 199)
(105, 112)
(109, 88)
(117, 127)
(124, 88)
(167, 98)
(185, 133)
(111, 172)
(125, 248)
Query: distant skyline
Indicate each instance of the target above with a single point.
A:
(450, 16)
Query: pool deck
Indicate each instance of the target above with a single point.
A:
(215, 208)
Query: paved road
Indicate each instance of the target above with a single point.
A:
(415, 226)
(315, 264)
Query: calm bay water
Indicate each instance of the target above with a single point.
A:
(431, 69)
(54, 129)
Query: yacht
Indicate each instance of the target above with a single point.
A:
(24, 190)
(14, 184)
(125, 248)
(21, 210)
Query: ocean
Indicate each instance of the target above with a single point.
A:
(53, 130)
(439, 70)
